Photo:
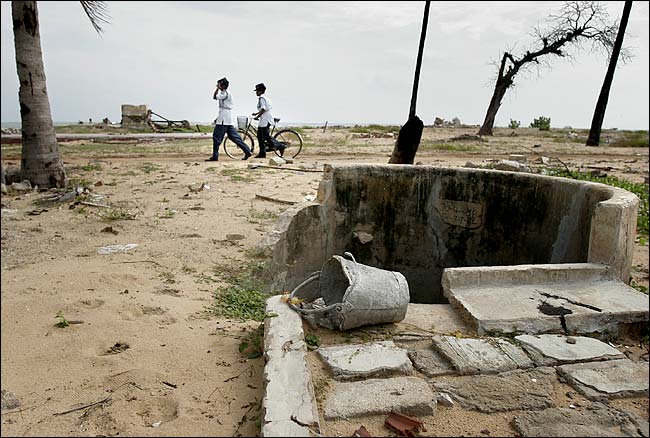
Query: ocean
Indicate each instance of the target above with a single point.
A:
(282, 123)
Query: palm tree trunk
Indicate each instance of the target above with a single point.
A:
(601, 105)
(41, 163)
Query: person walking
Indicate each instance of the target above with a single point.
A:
(263, 114)
(223, 124)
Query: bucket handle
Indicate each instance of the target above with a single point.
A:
(312, 277)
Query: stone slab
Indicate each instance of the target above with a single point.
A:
(430, 363)
(509, 391)
(552, 349)
(357, 361)
(481, 356)
(405, 395)
(289, 406)
(609, 379)
(598, 421)
(575, 298)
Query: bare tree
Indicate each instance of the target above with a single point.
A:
(601, 105)
(577, 23)
(40, 159)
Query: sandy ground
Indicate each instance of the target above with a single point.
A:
(143, 357)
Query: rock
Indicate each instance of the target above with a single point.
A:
(9, 400)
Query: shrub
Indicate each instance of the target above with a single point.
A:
(543, 123)
(514, 124)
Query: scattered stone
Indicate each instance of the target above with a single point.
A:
(431, 363)
(24, 186)
(512, 166)
(9, 400)
(276, 161)
(599, 420)
(520, 158)
(509, 391)
(362, 237)
(444, 399)
(118, 348)
(608, 379)
(406, 395)
(196, 187)
(376, 359)
(550, 349)
(481, 356)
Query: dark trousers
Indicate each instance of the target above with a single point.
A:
(220, 131)
(264, 138)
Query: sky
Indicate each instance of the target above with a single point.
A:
(335, 62)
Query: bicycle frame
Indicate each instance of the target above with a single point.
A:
(252, 129)
(289, 138)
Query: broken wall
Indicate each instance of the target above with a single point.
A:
(419, 220)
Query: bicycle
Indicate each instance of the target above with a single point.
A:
(292, 140)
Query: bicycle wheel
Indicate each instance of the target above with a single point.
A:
(292, 142)
(233, 151)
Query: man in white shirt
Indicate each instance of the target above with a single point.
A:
(263, 114)
(224, 122)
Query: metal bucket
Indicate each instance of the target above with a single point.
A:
(355, 295)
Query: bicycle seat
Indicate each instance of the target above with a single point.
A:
(276, 120)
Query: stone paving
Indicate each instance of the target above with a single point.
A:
(489, 375)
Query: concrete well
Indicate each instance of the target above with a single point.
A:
(420, 220)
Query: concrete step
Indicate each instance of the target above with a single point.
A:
(578, 298)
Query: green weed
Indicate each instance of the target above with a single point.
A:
(242, 298)
(63, 322)
(237, 175)
(167, 277)
(149, 167)
(90, 167)
(632, 139)
(116, 214)
(253, 344)
(166, 214)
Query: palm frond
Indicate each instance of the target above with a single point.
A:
(97, 12)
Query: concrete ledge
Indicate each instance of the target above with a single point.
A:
(552, 298)
(289, 406)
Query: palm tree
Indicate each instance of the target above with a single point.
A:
(40, 160)
(601, 105)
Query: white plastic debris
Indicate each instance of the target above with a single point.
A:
(112, 249)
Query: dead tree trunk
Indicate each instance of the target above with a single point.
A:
(577, 21)
(601, 105)
(502, 85)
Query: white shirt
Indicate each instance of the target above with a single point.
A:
(266, 118)
(225, 108)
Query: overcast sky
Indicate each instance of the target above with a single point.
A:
(341, 62)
